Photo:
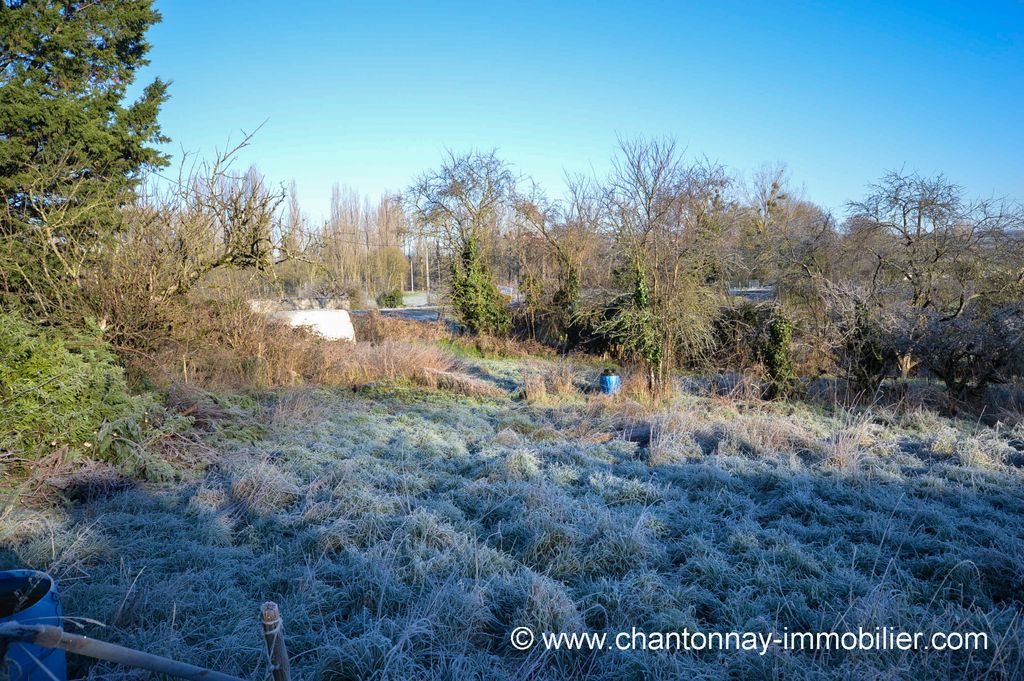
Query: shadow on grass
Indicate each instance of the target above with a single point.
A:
(422, 533)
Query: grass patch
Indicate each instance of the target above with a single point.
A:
(405, 532)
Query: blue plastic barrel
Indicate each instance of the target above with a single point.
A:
(30, 597)
(610, 383)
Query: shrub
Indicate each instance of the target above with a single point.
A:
(228, 346)
(356, 297)
(656, 331)
(392, 298)
(57, 393)
(564, 311)
(862, 337)
(474, 295)
(225, 344)
(759, 335)
(775, 352)
(634, 326)
(971, 351)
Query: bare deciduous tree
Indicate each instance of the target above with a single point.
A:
(665, 217)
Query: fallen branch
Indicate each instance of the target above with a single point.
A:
(47, 636)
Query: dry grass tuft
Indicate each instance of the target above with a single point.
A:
(847, 447)
(385, 361)
(561, 379)
(226, 345)
(427, 366)
(296, 406)
(672, 438)
(636, 386)
(243, 349)
(540, 385)
(263, 488)
(198, 404)
(462, 383)
(535, 389)
(767, 435)
(501, 347)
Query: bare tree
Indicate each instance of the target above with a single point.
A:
(558, 247)
(921, 237)
(932, 267)
(665, 218)
(464, 200)
(176, 234)
(213, 218)
(463, 204)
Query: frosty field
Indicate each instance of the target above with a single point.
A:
(405, 533)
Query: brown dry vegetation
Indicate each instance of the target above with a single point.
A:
(373, 326)
(231, 347)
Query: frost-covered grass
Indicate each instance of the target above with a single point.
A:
(405, 533)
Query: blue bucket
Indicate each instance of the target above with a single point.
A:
(610, 383)
(30, 597)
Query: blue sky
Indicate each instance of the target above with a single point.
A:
(370, 94)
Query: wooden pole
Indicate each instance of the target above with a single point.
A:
(48, 636)
(273, 633)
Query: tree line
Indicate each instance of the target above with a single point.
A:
(918, 279)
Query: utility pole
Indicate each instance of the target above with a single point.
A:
(426, 261)
(412, 266)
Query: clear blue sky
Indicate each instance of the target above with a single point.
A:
(369, 94)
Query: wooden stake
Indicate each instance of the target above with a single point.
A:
(273, 633)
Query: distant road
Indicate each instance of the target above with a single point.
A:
(424, 313)
(753, 292)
